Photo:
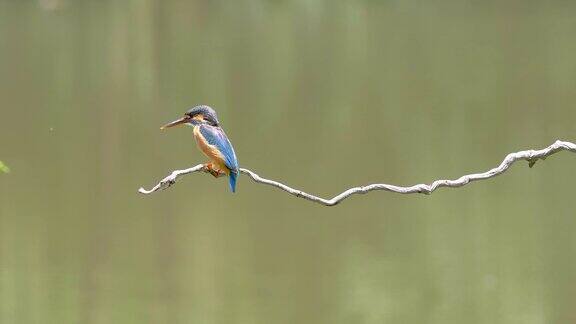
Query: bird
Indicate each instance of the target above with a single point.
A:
(212, 141)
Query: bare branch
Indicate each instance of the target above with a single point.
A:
(529, 155)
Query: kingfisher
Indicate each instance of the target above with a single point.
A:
(212, 141)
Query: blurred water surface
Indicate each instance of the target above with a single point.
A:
(322, 95)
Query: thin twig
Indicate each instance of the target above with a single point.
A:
(529, 155)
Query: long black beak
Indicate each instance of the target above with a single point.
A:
(180, 121)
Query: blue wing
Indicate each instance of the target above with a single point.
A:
(216, 136)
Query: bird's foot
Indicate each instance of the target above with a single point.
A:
(216, 173)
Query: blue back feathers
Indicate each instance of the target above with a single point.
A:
(216, 136)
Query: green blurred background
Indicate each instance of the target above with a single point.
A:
(322, 95)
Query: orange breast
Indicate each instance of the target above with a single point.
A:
(209, 150)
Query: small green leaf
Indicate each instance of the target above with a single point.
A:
(4, 168)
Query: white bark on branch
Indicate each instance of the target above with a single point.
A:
(529, 155)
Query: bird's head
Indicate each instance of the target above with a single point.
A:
(196, 116)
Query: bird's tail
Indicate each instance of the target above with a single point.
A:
(232, 180)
